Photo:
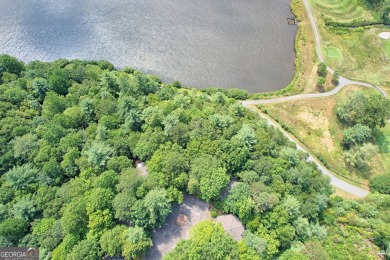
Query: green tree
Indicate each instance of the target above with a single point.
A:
(239, 94)
(169, 160)
(107, 180)
(68, 163)
(99, 199)
(10, 64)
(24, 146)
(335, 78)
(122, 205)
(380, 183)
(212, 183)
(293, 255)
(25, 177)
(99, 221)
(237, 193)
(74, 219)
(49, 233)
(314, 250)
(12, 230)
(136, 242)
(302, 229)
(112, 242)
(99, 153)
(255, 242)
(62, 251)
(148, 143)
(359, 157)
(292, 207)
(15, 95)
(39, 88)
(59, 81)
(321, 70)
(374, 3)
(119, 163)
(320, 84)
(208, 240)
(157, 205)
(372, 111)
(53, 104)
(357, 134)
(87, 249)
(25, 208)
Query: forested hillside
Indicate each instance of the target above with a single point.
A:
(71, 132)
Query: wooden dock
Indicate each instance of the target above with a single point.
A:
(292, 21)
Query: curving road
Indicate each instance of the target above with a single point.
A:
(356, 191)
(342, 185)
(342, 80)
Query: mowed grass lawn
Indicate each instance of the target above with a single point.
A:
(358, 53)
(314, 123)
(386, 46)
(341, 10)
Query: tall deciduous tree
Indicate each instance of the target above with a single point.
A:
(208, 240)
(112, 241)
(136, 242)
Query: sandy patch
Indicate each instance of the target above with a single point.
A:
(384, 35)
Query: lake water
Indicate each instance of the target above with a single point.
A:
(226, 43)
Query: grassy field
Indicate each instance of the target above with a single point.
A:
(315, 124)
(386, 47)
(334, 55)
(358, 53)
(341, 10)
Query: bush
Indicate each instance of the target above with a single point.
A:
(176, 84)
(321, 70)
(213, 214)
(240, 94)
(335, 78)
(380, 184)
(320, 84)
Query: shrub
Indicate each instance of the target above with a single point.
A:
(213, 214)
(381, 183)
(335, 78)
(239, 94)
(176, 84)
(321, 70)
(320, 84)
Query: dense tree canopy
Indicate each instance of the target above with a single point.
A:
(362, 116)
(70, 132)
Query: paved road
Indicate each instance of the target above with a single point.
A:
(358, 192)
(342, 83)
(342, 80)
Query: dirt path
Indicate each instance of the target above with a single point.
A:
(345, 186)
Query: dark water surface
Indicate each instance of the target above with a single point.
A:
(226, 43)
